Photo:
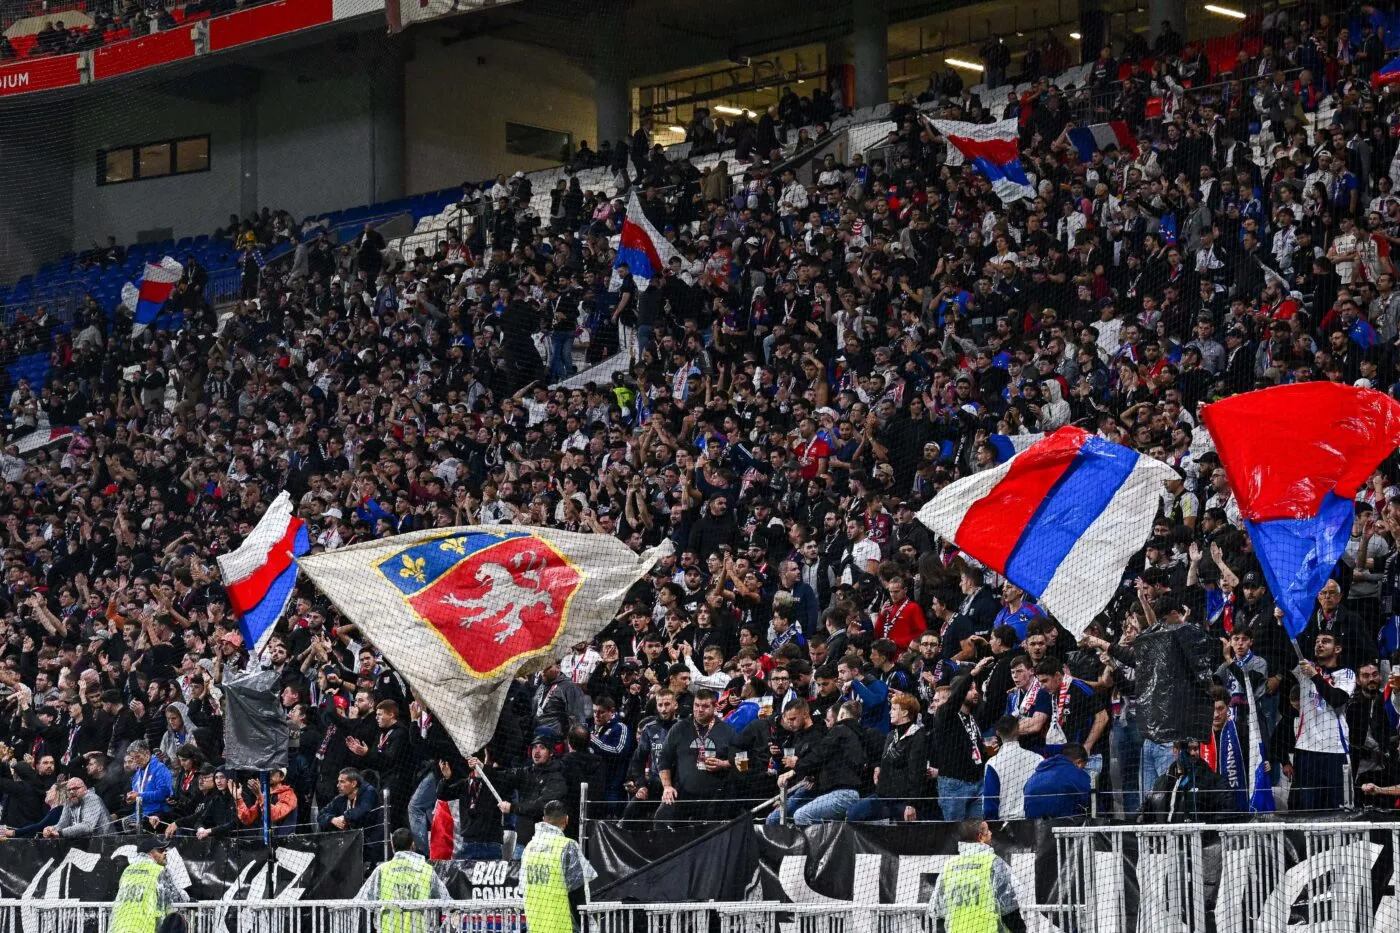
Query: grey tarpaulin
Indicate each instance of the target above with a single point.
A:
(255, 731)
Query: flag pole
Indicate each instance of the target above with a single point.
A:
(266, 810)
(487, 781)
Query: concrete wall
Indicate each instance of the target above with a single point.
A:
(460, 97)
(306, 145)
(191, 204)
(36, 196)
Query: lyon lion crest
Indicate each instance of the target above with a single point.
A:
(496, 599)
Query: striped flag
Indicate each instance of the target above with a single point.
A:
(148, 297)
(42, 437)
(1060, 520)
(261, 573)
(994, 149)
(1098, 137)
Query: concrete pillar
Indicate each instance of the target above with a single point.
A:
(870, 51)
(1171, 11)
(614, 105)
(248, 153)
(386, 90)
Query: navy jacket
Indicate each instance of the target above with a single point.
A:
(1057, 788)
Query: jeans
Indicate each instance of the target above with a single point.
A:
(1127, 750)
(1156, 759)
(561, 354)
(959, 800)
(420, 810)
(644, 332)
(486, 851)
(795, 799)
(829, 806)
(869, 809)
(1317, 781)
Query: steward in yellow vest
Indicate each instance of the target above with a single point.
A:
(553, 872)
(407, 876)
(145, 892)
(974, 893)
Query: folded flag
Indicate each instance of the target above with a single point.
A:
(1295, 456)
(457, 611)
(1363, 334)
(644, 251)
(261, 573)
(1060, 519)
(1098, 137)
(148, 297)
(1261, 788)
(994, 149)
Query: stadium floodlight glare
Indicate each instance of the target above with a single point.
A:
(1224, 11)
(677, 129)
(728, 110)
(963, 63)
(1076, 36)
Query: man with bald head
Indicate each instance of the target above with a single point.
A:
(84, 813)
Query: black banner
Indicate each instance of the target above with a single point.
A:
(324, 866)
(869, 863)
(485, 880)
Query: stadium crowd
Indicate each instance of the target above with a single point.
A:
(95, 24)
(818, 362)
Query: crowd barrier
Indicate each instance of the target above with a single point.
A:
(280, 916)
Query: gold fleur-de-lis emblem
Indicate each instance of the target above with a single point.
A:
(457, 546)
(414, 569)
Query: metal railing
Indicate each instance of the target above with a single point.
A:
(273, 916)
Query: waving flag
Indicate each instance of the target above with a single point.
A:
(994, 149)
(1060, 520)
(1098, 137)
(42, 436)
(644, 251)
(458, 610)
(1009, 445)
(1295, 456)
(148, 297)
(262, 572)
(1388, 73)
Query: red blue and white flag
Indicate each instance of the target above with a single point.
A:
(1060, 520)
(147, 297)
(457, 611)
(261, 573)
(641, 248)
(1098, 137)
(1295, 456)
(994, 149)
(1388, 73)
(42, 436)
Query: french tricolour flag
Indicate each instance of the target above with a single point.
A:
(641, 248)
(261, 574)
(994, 149)
(1388, 73)
(148, 297)
(1060, 519)
(1097, 137)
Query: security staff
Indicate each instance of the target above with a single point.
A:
(555, 872)
(146, 891)
(408, 876)
(974, 893)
